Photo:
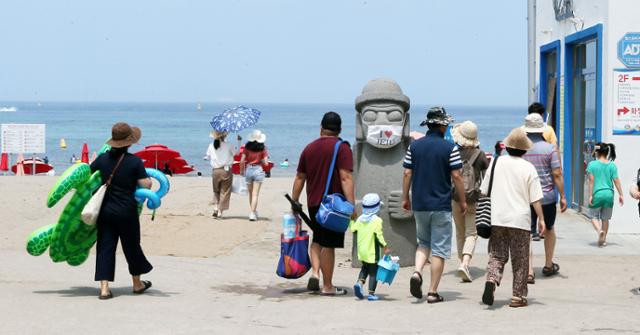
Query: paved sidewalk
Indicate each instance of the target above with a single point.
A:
(239, 293)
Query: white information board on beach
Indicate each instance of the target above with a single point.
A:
(22, 138)
(626, 102)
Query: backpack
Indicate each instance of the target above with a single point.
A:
(471, 179)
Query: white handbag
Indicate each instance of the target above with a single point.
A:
(91, 210)
(239, 185)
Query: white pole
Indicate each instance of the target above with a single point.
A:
(531, 21)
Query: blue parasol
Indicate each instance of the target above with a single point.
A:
(235, 119)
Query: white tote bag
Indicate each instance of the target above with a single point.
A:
(239, 185)
(91, 210)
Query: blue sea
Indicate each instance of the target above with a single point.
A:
(181, 126)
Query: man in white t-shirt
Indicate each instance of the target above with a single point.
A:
(515, 187)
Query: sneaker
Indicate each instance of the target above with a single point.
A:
(464, 273)
(253, 216)
(373, 297)
(219, 214)
(357, 289)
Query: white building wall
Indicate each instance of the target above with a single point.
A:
(617, 17)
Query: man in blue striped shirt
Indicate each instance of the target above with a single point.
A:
(430, 164)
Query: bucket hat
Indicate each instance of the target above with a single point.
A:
(371, 204)
(518, 139)
(123, 135)
(437, 115)
(257, 136)
(465, 134)
(534, 123)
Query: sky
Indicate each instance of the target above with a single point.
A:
(463, 52)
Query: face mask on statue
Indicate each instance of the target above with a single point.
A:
(384, 136)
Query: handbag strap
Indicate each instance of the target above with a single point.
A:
(333, 165)
(114, 170)
(493, 169)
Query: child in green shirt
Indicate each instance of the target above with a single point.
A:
(603, 174)
(368, 229)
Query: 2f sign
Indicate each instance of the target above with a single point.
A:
(629, 50)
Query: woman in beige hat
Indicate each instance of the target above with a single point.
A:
(474, 163)
(220, 154)
(118, 219)
(515, 187)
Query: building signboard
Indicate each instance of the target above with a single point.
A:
(22, 138)
(626, 102)
(629, 50)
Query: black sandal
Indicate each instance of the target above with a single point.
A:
(415, 285)
(550, 271)
(531, 279)
(106, 296)
(313, 284)
(489, 291)
(433, 298)
(147, 285)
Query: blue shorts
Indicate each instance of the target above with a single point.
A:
(434, 230)
(254, 173)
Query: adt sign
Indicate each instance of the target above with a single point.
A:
(629, 50)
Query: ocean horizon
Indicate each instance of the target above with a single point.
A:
(184, 127)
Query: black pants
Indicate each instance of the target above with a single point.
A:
(370, 270)
(127, 229)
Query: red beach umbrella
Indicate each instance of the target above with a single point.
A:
(183, 170)
(26, 167)
(4, 162)
(85, 154)
(156, 155)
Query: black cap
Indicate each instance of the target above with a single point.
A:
(331, 121)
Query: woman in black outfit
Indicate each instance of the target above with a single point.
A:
(118, 218)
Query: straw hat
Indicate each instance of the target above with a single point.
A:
(216, 135)
(518, 139)
(534, 123)
(257, 136)
(123, 135)
(465, 134)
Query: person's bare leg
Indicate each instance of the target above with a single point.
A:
(327, 262)
(315, 259)
(549, 247)
(422, 257)
(137, 283)
(596, 225)
(605, 229)
(250, 193)
(104, 287)
(255, 193)
(437, 267)
(466, 260)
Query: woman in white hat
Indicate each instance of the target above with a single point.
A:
(252, 165)
(220, 154)
(474, 164)
(515, 187)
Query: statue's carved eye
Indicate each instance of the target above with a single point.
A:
(394, 116)
(369, 116)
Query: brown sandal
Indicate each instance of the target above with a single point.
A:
(531, 279)
(433, 298)
(519, 302)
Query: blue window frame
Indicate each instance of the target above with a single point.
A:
(571, 41)
(545, 50)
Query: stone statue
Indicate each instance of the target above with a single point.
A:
(382, 140)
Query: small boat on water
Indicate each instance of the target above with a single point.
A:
(28, 165)
(8, 109)
(199, 108)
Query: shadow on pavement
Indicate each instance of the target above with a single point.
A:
(90, 291)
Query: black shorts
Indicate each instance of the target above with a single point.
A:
(324, 237)
(549, 211)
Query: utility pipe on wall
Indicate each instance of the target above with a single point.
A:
(531, 48)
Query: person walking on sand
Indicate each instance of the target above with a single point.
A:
(252, 163)
(431, 163)
(545, 158)
(315, 161)
(515, 187)
(603, 175)
(220, 154)
(118, 218)
(474, 163)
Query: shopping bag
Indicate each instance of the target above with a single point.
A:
(294, 259)
(91, 210)
(239, 185)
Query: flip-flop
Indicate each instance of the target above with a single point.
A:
(338, 291)
(147, 285)
(313, 284)
(106, 296)
(415, 285)
(489, 291)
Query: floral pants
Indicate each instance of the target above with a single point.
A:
(505, 241)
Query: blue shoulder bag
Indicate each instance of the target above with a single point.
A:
(335, 211)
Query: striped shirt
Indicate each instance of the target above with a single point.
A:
(431, 159)
(544, 158)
